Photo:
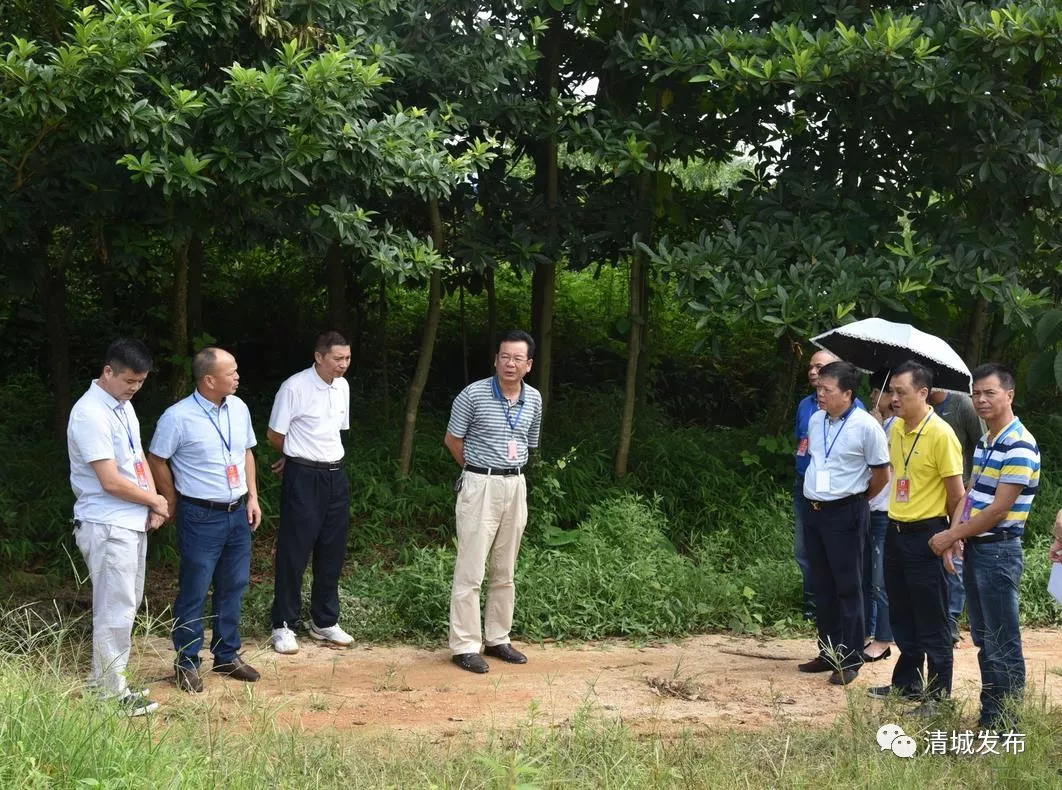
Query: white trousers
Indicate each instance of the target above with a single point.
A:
(116, 559)
(491, 515)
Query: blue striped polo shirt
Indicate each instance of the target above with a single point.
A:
(1013, 458)
(487, 422)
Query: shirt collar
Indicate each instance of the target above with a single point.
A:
(204, 403)
(319, 382)
(496, 392)
(105, 397)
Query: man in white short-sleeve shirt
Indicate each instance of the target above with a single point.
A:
(309, 411)
(116, 506)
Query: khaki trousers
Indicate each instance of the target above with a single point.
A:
(116, 559)
(491, 515)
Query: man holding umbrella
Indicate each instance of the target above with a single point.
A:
(926, 489)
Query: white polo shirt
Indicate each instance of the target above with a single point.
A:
(843, 450)
(102, 428)
(310, 414)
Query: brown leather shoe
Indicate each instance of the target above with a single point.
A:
(187, 679)
(238, 669)
(506, 653)
(817, 664)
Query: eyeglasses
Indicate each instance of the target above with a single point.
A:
(510, 358)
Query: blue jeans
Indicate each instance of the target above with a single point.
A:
(881, 628)
(215, 548)
(800, 552)
(956, 598)
(993, 578)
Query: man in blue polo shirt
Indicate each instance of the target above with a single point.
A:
(849, 465)
(991, 522)
(202, 459)
(494, 423)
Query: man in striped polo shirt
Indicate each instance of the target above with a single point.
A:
(1003, 483)
(494, 423)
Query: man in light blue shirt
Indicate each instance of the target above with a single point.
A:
(116, 506)
(202, 458)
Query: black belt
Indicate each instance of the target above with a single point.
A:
(503, 471)
(331, 466)
(816, 504)
(994, 537)
(922, 525)
(228, 507)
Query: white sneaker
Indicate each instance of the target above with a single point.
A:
(133, 705)
(283, 640)
(333, 634)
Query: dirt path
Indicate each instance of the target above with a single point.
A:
(406, 688)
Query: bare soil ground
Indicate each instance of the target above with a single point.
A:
(714, 681)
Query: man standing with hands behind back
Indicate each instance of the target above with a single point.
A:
(493, 425)
(201, 457)
(116, 506)
(310, 410)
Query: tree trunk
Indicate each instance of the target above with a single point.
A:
(356, 323)
(52, 288)
(634, 351)
(196, 254)
(427, 346)
(336, 280)
(105, 273)
(464, 331)
(784, 397)
(385, 354)
(975, 333)
(180, 379)
(492, 310)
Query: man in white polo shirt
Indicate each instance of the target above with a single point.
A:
(849, 466)
(116, 505)
(310, 410)
(201, 457)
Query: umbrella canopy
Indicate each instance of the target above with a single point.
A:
(874, 343)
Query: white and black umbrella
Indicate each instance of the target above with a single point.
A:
(875, 344)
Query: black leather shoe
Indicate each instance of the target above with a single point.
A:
(238, 669)
(506, 653)
(187, 679)
(844, 677)
(886, 653)
(472, 662)
(817, 664)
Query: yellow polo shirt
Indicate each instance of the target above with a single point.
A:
(936, 455)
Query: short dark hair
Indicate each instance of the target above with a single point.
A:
(128, 354)
(846, 374)
(921, 376)
(1002, 372)
(203, 362)
(326, 340)
(518, 336)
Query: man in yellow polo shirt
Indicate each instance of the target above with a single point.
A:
(926, 489)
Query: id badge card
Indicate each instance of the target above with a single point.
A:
(510, 451)
(822, 481)
(233, 475)
(141, 473)
(966, 510)
(802, 448)
(903, 490)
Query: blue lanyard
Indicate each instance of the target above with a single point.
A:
(124, 420)
(210, 416)
(825, 420)
(505, 404)
(987, 451)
